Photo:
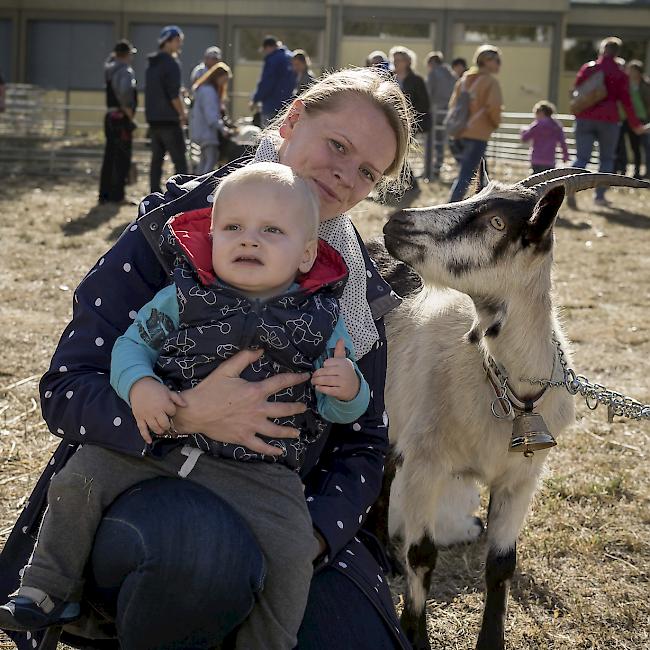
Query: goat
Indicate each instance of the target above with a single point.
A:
(492, 253)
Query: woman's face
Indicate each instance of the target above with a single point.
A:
(401, 64)
(298, 66)
(344, 152)
(493, 65)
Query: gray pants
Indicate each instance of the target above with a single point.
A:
(209, 159)
(268, 496)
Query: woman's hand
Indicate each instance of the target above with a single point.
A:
(337, 378)
(227, 408)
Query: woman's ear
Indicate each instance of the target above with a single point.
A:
(309, 256)
(295, 113)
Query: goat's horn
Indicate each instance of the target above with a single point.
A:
(550, 174)
(578, 182)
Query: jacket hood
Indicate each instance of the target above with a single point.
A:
(190, 231)
(112, 65)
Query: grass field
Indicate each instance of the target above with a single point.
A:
(584, 555)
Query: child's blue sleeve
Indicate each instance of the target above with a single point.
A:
(330, 408)
(135, 352)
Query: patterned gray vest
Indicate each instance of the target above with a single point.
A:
(216, 321)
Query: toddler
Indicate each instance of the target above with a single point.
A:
(545, 133)
(250, 273)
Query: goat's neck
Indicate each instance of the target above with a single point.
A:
(522, 344)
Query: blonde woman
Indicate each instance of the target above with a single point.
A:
(207, 126)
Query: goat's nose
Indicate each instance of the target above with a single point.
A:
(400, 220)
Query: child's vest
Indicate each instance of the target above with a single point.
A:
(217, 321)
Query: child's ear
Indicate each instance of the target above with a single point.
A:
(309, 256)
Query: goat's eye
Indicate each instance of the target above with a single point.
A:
(498, 223)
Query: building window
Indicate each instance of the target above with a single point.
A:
(579, 50)
(376, 29)
(503, 33)
(68, 55)
(249, 42)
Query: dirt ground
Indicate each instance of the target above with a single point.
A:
(584, 555)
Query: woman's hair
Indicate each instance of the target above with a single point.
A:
(404, 51)
(486, 52)
(284, 179)
(301, 55)
(212, 76)
(546, 107)
(380, 88)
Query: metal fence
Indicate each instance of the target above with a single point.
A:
(39, 135)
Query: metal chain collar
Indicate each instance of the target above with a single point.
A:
(594, 394)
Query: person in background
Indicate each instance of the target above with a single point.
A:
(211, 57)
(276, 84)
(640, 96)
(3, 90)
(164, 105)
(440, 84)
(459, 67)
(119, 122)
(207, 126)
(378, 59)
(601, 121)
(302, 69)
(546, 134)
(484, 114)
(404, 60)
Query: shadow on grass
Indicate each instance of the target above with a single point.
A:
(95, 217)
(563, 222)
(626, 218)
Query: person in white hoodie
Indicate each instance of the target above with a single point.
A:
(207, 126)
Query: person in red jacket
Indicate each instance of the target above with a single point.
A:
(601, 122)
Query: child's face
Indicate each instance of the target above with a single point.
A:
(260, 240)
(540, 115)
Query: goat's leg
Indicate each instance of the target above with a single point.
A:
(508, 508)
(413, 503)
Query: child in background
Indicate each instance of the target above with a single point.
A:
(545, 133)
(248, 273)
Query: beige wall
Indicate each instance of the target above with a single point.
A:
(493, 5)
(525, 73)
(608, 16)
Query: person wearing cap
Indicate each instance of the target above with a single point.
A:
(164, 106)
(211, 57)
(277, 81)
(119, 122)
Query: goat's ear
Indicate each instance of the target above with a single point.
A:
(482, 178)
(545, 212)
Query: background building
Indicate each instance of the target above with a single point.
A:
(61, 44)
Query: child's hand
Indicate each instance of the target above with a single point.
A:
(153, 404)
(337, 377)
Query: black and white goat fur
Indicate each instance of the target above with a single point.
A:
(486, 266)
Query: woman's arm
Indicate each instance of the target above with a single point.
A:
(347, 479)
(77, 400)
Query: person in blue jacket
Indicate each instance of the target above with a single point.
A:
(172, 565)
(277, 81)
(250, 273)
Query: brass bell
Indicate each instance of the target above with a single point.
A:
(529, 434)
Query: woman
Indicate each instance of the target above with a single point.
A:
(188, 570)
(207, 126)
(301, 64)
(484, 114)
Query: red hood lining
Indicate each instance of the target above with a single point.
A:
(192, 232)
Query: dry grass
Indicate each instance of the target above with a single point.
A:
(584, 555)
